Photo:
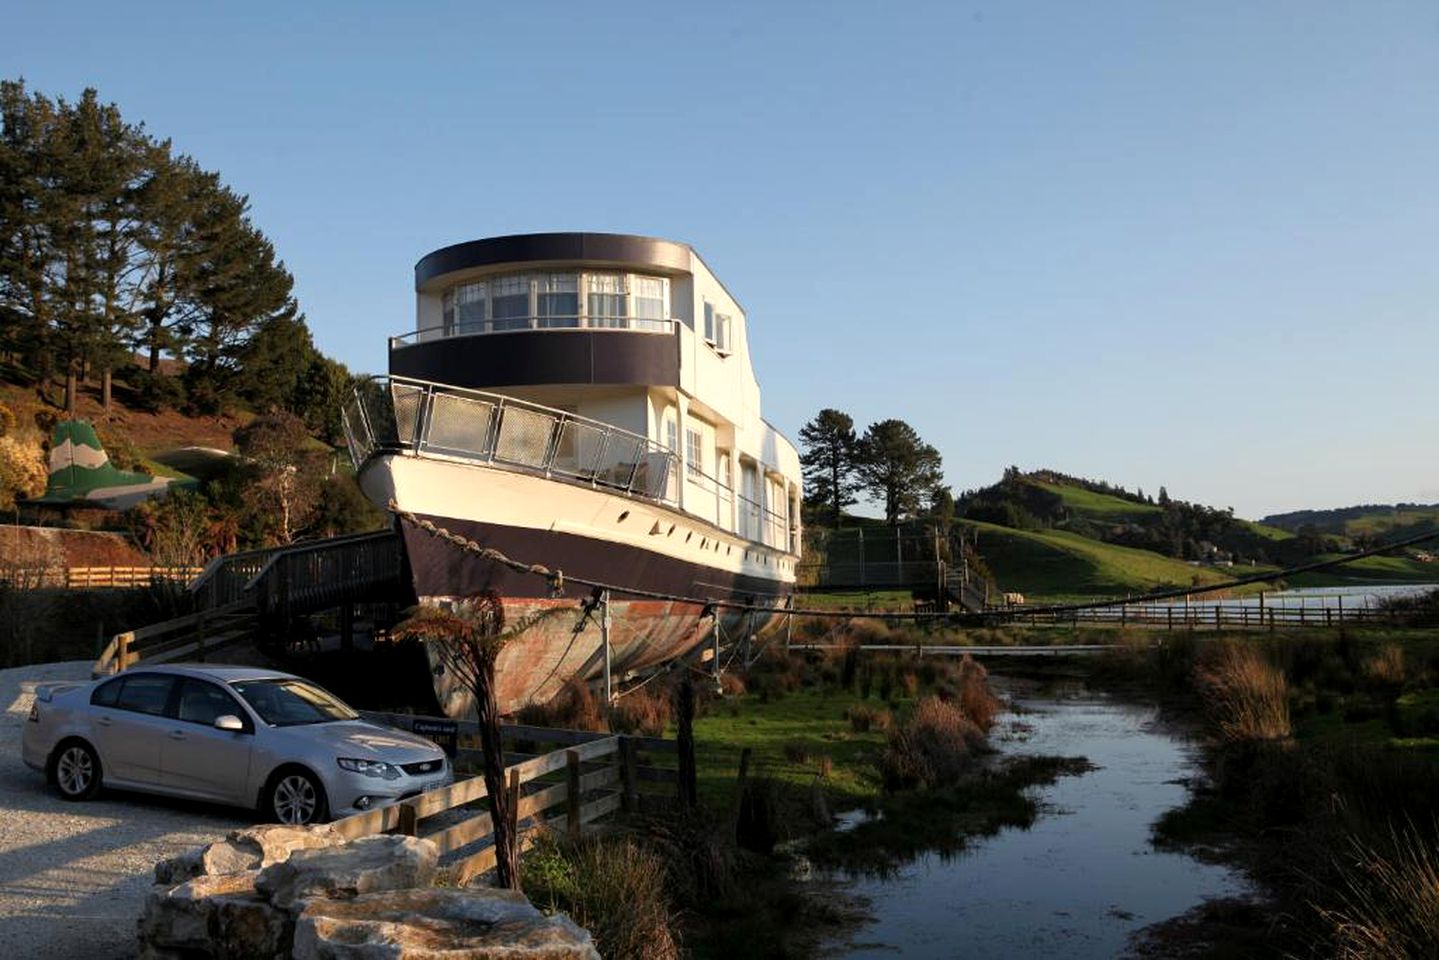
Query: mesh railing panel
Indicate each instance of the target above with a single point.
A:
(524, 436)
(618, 461)
(357, 435)
(578, 448)
(408, 401)
(459, 425)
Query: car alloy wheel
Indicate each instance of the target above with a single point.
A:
(296, 799)
(75, 771)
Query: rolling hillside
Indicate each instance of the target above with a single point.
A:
(1055, 564)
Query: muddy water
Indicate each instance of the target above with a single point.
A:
(1084, 877)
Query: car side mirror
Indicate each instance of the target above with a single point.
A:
(229, 722)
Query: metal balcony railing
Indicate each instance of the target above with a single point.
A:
(469, 328)
(399, 414)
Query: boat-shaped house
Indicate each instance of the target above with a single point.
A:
(586, 402)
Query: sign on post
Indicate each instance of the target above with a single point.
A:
(445, 733)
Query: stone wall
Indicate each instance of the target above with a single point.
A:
(268, 893)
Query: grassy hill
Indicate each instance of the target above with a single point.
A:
(1053, 565)
(1101, 507)
(1363, 520)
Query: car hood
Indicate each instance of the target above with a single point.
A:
(369, 741)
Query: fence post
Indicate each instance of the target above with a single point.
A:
(688, 788)
(572, 794)
(1271, 619)
(1341, 609)
(628, 795)
(1217, 624)
(122, 652)
(1169, 618)
(408, 824)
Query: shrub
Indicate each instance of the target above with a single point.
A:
(1385, 670)
(934, 747)
(975, 699)
(1245, 696)
(863, 718)
(23, 471)
(573, 708)
(731, 685)
(613, 886)
(909, 683)
(645, 711)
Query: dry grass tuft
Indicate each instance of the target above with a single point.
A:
(864, 718)
(1386, 668)
(1387, 903)
(933, 747)
(573, 708)
(1246, 697)
(975, 699)
(732, 685)
(646, 711)
(612, 886)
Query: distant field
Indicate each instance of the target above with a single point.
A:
(1383, 521)
(1098, 506)
(1266, 531)
(1054, 563)
(1369, 570)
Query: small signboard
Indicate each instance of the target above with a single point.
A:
(446, 733)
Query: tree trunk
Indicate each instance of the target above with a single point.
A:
(507, 854)
(106, 382)
(71, 387)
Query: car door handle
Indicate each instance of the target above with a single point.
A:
(177, 735)
(104, 721)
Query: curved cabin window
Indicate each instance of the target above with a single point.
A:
(650, 308)
(510, 303)
(557, 300)
(470, 308)
(606, 303)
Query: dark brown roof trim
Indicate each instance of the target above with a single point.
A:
(619, 248)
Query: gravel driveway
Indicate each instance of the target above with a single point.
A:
(73, 876)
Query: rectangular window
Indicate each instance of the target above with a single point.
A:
(672, 434)
(557, 300)
(694, 452)
(651, 308)
(722, 326)
(709, 322)
(606, 304)
(510, 303)
(447, 312)
(722, 473)
(470, 304)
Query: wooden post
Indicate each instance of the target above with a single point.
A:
(715, 647)
(629, 797)
(409, 824)
(1341, 609)
(572, 794)
(122, 654)
(514, 811)
(605, 642)
(1217, 608)
(1169, 618)
(685, 702)
(1271, 620)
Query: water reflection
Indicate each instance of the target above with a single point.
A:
(1084, 876)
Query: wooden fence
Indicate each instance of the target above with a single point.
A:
(589, 775)
(85, 578)
(1213, 616)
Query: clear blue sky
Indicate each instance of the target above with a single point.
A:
(1190, 244)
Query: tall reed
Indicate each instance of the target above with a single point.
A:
(1246, 697)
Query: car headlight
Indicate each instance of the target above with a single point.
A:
(370, 768)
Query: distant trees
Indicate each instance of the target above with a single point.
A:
(898, 468)
(111, 244)
(889, 462)
(828, 458)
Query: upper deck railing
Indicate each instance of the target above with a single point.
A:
(470, 328)
(430, 419)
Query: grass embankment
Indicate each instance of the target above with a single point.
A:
(824, 731)
(1323, 781)
(1055, 565)
(1093, 505)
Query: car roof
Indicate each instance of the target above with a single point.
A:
(225, 673)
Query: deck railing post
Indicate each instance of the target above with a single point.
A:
(605, 642)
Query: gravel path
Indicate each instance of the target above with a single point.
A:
(73, 876)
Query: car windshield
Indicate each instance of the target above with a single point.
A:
(288, 701)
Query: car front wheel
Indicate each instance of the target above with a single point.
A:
(295, 797)
(77, 770)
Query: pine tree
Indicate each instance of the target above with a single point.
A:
(896, 466)
(829, 462)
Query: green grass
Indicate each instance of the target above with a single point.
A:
(1053, 563)
(1266, 531)
(859, 600)
(812, 719)
(1098, 506)
(1383, 521)
(1369, 570)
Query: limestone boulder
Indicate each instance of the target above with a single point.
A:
(249, 849)
(367, 865)
(179, 919)
(437, 924)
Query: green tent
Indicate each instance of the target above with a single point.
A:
(81, 470)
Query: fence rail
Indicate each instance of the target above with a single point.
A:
(1211, 616)
(590, 775)
(97, 577)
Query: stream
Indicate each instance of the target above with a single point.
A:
(1084, 877)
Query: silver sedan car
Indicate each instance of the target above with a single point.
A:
(235, 735)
